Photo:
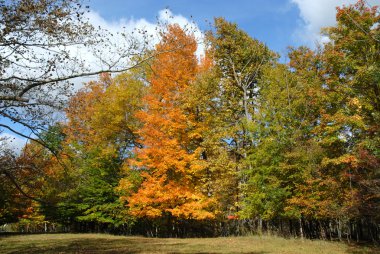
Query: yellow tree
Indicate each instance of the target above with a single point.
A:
(169, 160)
(99, 135)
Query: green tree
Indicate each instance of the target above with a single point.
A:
(353, 60)
(229, 103)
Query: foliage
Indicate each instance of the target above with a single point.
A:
(38, 66)
(230, 143)
(168, 159)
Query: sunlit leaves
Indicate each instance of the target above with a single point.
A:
(169, 160)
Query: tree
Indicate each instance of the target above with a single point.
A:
(22, 177)
(101, 115)
(100, 133)
(230, 90)
(315, 154)
(11, 207)
(37, 63)
(353, 60)
(239, 60)
(169, 162)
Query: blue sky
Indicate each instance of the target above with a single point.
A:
(272, 22)
(278, 23)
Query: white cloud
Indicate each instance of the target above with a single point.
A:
(131, 27)
(91, 62)
(316, 14)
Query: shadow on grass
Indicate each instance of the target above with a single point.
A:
(110, 246)
(358, 249)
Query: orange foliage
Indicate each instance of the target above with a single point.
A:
(170, 160)
(81, 110)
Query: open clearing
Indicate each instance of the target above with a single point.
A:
(102, 243)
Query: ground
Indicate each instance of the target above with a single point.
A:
(102, 243)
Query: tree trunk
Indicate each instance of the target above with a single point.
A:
(301, 229)
(322, 230)
(339, 228)
(260, 226)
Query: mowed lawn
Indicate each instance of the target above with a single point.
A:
(102, 243)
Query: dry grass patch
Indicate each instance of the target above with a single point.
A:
(101, 243)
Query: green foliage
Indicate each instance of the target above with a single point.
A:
(235, 134)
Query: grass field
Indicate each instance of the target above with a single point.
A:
(101, 243)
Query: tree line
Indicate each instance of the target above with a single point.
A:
(229, 143)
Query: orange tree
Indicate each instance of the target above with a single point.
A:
(169, 160)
